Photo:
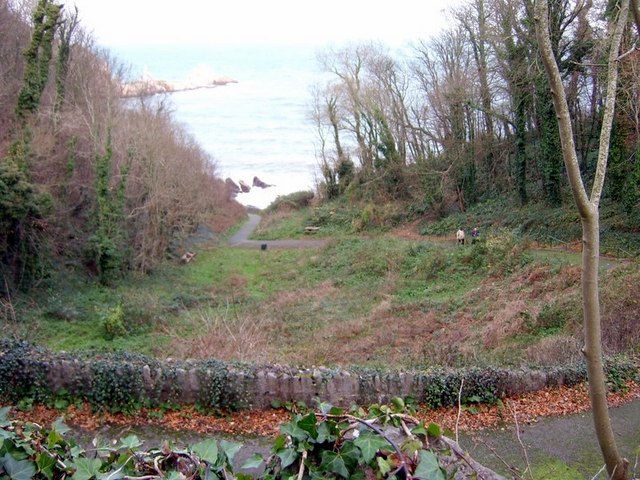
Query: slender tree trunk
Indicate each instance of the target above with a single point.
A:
(589, 213)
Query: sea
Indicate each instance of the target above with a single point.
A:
(258, 126)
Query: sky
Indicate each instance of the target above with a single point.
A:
(212, 22)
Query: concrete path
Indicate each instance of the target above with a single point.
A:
(241, 239)
(570, 439)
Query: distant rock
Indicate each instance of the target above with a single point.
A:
(148, 85)
(259, 183)
(244, 188)
(232, 187)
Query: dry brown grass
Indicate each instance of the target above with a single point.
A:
(556, 350)
(234, 290)
(499, 319)
(271, 218)
(225, 337)
(384, 337)
(621, 310)
(287, 298)
(506, 321)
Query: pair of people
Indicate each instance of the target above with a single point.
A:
(475, 233)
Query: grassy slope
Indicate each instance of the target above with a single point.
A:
(374, 296)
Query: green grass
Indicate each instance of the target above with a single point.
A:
(297, 303)
(233, 283)
(70, 314)
(291, 225)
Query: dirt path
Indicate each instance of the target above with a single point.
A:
(241, 239)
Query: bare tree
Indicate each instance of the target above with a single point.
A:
(588, 207)
(446, 75)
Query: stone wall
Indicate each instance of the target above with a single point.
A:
(106, 380)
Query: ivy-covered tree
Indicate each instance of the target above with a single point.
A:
(22, 209)
(549, 152)
(38, 56)
(67, 28)
(108, 242)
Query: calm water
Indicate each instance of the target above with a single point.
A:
(259, 126)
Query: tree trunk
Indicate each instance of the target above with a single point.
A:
(616, 465)
(589, 214)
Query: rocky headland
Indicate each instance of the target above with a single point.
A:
(147, 85)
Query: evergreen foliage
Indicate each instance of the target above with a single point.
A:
(38, 56)
(549, 152)
(22, 208)
(109, 243)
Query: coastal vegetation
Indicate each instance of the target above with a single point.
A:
(89, 182)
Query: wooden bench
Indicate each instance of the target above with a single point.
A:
(311, 229)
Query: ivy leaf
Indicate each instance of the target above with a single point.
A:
(173, 475)
(434, 430)
(113, 475)
(398, 404)
(350, 454)
(53, 439)
(334, 463)
(369, 443)
(383, 466)
(6, 434)
(324, 433)
(308, 424)
(207, 450)
(336, 411)
(279, 443)
(255, 461)
(4, 417)
(419, 430)
(129, 442)
(45, 465)
(86, 468)
(76, 451)
(18, 469)
(411, 446)
(230, 449)
(59, 426)
(287, 457)
(294, 430)
(428, 468)
(243, 476)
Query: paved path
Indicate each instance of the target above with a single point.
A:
(570, 439)
(241, 238)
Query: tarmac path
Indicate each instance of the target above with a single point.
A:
(241, 238)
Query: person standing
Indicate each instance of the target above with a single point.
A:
(460, 236)
(475, 233)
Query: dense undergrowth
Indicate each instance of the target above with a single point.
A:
(374, 296)
(332, 443)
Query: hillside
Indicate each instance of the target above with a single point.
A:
(381, 296)
(90, 182)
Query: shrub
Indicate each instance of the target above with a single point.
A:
(551, 319)
(113, 323)
(504, 252)
(292, 201)
(446, 388)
